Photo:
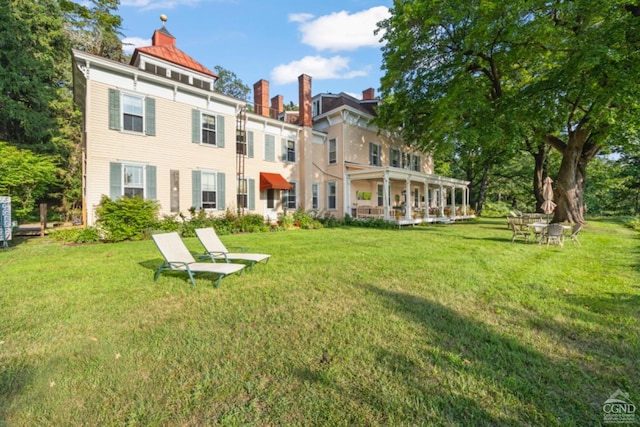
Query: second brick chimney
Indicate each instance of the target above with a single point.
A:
(261, 97)
(368, 94)
(304, 93)
(277, 105)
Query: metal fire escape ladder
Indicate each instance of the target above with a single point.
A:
(241, 152)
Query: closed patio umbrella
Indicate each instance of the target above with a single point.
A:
(547, 194)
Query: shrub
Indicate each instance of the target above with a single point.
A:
(77, 235)
(305, 221)
(128, 218)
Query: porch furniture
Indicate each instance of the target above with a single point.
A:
(518, 228)
(538, 229)
(555, 234)
(216, 251)
(574, 233)
(178, 258)
(369, 212)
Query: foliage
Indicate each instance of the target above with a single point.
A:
(32, 49)
(634, 223)
(128, 218)
(486, 81)
(305, 220)
(25, 177)
(496, 209)
(229, 83)
(77, 235)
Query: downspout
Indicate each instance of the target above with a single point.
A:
(345, 191)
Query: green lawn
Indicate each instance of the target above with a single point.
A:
(437, 325)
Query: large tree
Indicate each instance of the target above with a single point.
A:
(514, 75)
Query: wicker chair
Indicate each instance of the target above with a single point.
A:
(555, 234)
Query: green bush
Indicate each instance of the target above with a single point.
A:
(634, 223)
(495, 209)
(128, 218)
(305, 221)
(77, 235)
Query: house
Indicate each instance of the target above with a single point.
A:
(157, 128)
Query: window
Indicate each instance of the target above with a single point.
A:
(289, 154)
(405, 160)
(289, 197)
(314, 197)
(374, 154)
(133, 179)
(242, 193)
(209, 190)
(395, 158)
(331, 195)
(270, 148)
(333, 151)
(415, 163)
(132, 113)
(380, 195)
(208, 129)
(416, 197)
(315, 107)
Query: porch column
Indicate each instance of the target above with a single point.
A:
(407, 202)
(386, 191)
(442, 199)
(425, 205)
(453, 202)
(347, 197)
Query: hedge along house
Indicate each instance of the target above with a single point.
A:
(157, 128)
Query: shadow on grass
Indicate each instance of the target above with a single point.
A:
(13, 380)
(465, 353)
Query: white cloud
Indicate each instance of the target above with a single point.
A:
(130, 43)
(300, 17)
(318, 67)
(341, 30)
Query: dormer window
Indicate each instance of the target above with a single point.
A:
(315, 108)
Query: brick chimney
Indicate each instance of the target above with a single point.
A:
(261, 97)
(304, 92)
(368, 94)
(162, 37)
(277, 105)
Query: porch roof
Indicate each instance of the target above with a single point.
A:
(358, 173)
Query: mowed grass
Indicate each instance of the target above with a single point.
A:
(437, 325)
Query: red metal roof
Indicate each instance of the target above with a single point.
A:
(164, 48)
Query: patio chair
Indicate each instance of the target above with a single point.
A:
(215, 250)
(574, 233)
(178, 258)
(519, 230)
(555, 234)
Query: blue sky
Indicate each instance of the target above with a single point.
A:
(330, 40)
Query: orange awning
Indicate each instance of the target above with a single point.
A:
(273, 181)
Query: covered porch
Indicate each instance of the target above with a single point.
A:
(405, 196)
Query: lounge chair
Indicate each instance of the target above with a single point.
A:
(215, 250)
(178, 258)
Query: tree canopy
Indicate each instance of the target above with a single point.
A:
(230, 84)
(502, 78)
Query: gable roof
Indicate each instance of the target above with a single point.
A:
(164, 48)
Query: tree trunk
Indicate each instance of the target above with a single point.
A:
(540, 172)
(570, 183)
(483, 190)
